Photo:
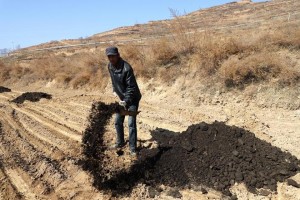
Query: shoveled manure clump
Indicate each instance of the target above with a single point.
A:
(4, 89)
(31, 96)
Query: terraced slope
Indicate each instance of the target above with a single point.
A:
(224, 18)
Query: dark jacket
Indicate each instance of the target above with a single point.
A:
(124, 83)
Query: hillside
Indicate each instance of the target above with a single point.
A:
(224, 18)
(219, 118)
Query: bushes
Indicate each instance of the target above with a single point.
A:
(164, 52)
(251, 69)
(234, 60)
(4, 72)
(13, 71)
(63, 78)
(74, 71)
(138, 58)
(212, 51)
(263, 66)
(80, 80)
(286, 38)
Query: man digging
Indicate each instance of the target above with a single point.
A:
(126, 88)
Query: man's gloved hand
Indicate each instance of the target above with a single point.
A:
(115, 94)
(122, 103)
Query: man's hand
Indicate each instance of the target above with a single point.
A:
(115, 94)
(122, 103)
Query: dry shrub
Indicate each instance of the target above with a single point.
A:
(141, 60)
(169, 74)
(80, 80)
(134, 53)
(153, 60)
(86, 69)
(4, 72)
(180, 42)
(287, 38)
(183, 36)
(137, 57)
(164, 52)
(212, 51)
(15, 72)
(45, 69)
(100, 78)
(83, 60)
(263, 66)
(63, 77)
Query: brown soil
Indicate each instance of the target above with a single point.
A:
(7, 190)
(58, 148)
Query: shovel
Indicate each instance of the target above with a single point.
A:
(123, 111)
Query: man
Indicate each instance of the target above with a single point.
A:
(126, 88)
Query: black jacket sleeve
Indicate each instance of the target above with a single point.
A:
(130, 87)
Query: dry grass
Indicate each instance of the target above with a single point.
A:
(75, 71)
(234, 60)
(4, 72)
(182, 34)
(263, 66)
(286, 38)
(164, 52)
(139, 59)
(212, 51)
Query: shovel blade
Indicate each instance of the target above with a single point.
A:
(130, 113)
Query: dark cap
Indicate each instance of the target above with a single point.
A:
(112, 51)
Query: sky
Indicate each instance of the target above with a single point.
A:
(31, 22)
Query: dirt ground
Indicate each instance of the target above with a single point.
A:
(209, 145)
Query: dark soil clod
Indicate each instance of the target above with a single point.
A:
(174, 193)
(204, 191)
(120, 152)
(293, 183)
(4, 89)
(31, 96)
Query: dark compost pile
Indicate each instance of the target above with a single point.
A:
(214, 155)
(4, 89)
(31, 96)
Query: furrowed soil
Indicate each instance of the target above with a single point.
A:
(58, 148)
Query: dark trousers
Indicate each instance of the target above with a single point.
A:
(119, 124)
